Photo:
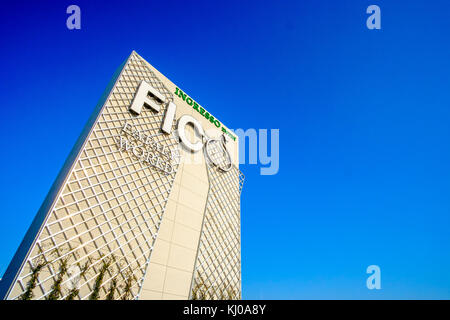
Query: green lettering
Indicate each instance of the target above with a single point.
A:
(200, 110)
(196, 106)
(182, 95)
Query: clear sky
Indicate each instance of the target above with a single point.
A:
(363, 116)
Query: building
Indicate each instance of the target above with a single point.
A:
(147, 205)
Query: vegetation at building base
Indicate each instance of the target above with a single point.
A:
(106, 264)
(74, 291)
(130, 279)
(112, 289)
(201, 290)
(37, 267)
(68, 269)
(109, 278)
(56, 287)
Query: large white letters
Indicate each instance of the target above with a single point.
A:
(141, 98)
(182, 123)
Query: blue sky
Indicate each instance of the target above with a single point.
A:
(363, 116)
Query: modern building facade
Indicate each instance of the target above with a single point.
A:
(147, 205)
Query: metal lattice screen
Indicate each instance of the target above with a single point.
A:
(107, 216)
(217, 274)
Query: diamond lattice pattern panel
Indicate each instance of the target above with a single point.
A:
(106, 218)
(218, 267)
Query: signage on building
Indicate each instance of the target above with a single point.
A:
(150, 152)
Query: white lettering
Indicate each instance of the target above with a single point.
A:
(182, 123)
(141, 98)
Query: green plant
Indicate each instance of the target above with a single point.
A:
(106, 263)
(200, 288)
(129, 281)
(231, 293)
(31, 284)
(72, 294)
(112, 289)
(55, 293)
(202, 291)
(75, 290)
